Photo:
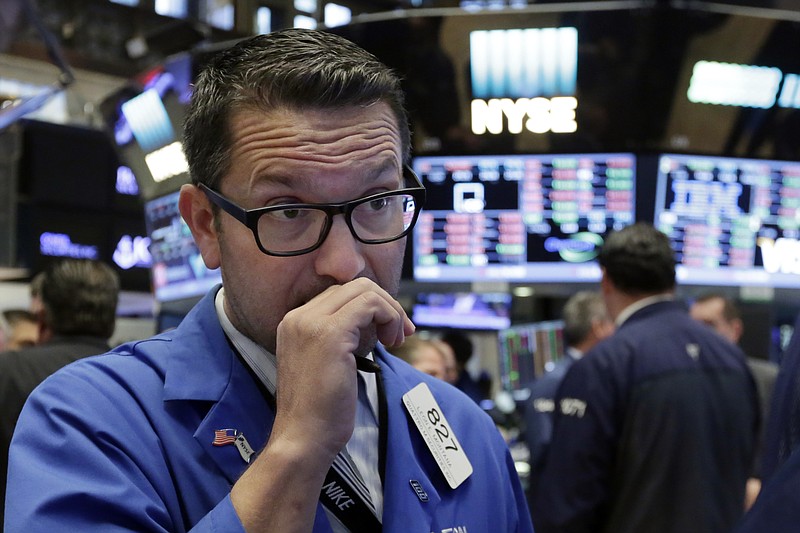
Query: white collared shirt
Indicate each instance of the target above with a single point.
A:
(362, 446)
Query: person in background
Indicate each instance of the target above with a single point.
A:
(36, 304)
(721, 313)
(655, 427)
(273, 406)
(422, 354)
(76, 318)
(586, 322)
(776, 508)
(463, 348)
(450, 365)
(22, 329)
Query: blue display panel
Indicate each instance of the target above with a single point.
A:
(178, 268)
(466, 310)
(731, 221)
(527, 218)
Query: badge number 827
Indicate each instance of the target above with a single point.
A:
(437, 434)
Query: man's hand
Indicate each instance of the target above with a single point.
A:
(316, 344)
(316, 399)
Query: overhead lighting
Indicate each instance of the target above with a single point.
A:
(523, 292)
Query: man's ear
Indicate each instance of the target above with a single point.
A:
(45, 332)
(738, 328)
(196, 211)
(605, 283)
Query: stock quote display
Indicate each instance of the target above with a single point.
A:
(520, 217)
(731, 221)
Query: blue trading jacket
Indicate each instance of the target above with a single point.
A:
(123, 442)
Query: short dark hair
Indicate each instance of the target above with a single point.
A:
(461, 344)
(36, 285)
(579, 313)
(80, 297)
(639, 259)
(294, 69)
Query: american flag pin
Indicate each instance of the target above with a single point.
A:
(223, 437)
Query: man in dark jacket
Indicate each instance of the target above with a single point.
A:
(586, 322)
(776, 508)
(655, 427)
(78, 315)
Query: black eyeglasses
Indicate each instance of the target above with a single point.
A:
(296, 229)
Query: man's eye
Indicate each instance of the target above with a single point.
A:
(282, 215)
(377, 205)
(290, 213)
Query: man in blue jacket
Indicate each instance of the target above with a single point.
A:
(273, 406)
(75, 317)
(655, 427)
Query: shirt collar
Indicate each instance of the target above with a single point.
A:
(641, 304)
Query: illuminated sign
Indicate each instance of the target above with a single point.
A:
(577, 248)
(524, 80)
(132, 252)
(167, 162)
(61, 245)
(730, 84)
(126, 181)
(523, 63)
(148, 120)
(536, 115)
(780, 255)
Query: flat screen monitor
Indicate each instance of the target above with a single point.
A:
(178, 268)
(732, 222)
(67, 166)
(50, 234)
(147, 123)
(527, 351)
(466, 310)
(523, 218)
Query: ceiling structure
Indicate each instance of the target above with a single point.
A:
(120, 40)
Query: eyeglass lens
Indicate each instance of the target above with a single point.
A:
(377, 220)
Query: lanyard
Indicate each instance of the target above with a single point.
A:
(339, 494)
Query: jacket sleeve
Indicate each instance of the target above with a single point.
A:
(67, 473)
(776, 508)
(578, 464)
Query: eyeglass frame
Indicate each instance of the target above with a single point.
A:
(250, 217)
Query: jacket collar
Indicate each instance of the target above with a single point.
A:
(237, 401)
(654, 307)
(202, 345)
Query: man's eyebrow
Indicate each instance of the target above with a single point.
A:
(388, 165)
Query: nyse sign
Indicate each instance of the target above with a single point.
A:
(536, 115)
